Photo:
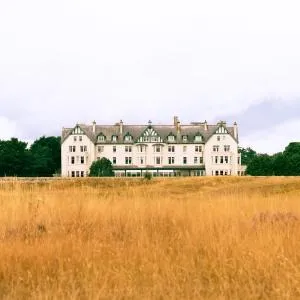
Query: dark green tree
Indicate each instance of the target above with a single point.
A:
(247, 155)
(261, 165)
(101, 168)
(46, 156)
(14, 158)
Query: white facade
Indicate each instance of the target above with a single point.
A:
(195, 149)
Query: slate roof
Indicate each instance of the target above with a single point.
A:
(136, 131)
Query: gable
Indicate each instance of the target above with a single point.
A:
(77, 130)
(149, 135)
(221, 130)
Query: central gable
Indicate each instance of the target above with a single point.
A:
(149, 135)
(221, 130)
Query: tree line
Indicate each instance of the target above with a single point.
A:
(43, 159)
(285, 163)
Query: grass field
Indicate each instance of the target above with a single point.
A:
(177, 238)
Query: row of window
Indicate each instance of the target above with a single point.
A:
(76, 174)
(221, 172)
(153, 139)
(77, 159)
(158, 160)
(222, 159)
(81, 148)
(226, 148)
(141, 148)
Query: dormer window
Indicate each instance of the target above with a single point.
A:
(101, 138)
(198, 138)
(128, 138)
(184, 138)
(114, 138)
(171, 138)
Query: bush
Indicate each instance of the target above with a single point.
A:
(101, 168)
(148, 176)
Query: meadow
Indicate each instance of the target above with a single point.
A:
(168, 238)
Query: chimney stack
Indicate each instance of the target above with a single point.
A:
(94, 126)
(121, 126)
(175, 120)
(177, 124)
(205, 125)
(235, 130)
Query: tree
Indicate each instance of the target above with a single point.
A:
(101, 168)
(14, 158)
(247, 155)
(261, 165)
(46, 156)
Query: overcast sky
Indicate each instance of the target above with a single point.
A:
(63, 62)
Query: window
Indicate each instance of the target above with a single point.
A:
(128, 160)
(184, 138)
(171, 138)
(142, 160)
(77, 173)
(157, 149)
(73, 173)
(128, 138)
(221, 159)
(72, 148)
(114, 149)
(157, 160)
(201, 160)
(128, 149)
(184, 149)
(226, 159)
(171, 160)
(83, 148)
(114, 138)
(218, 138)
(171, 148)
(221, 173)
(141, 148)
(184, 160)
(198, 149)
(82, 159)
(226, 148)
(75, 138)
(198, 138)
(195, 160)
(72, 160)
(101, 138)
(82, 173)
(217, 173)
(80, 138)
(216, 159)
(100, 148)
(216, 148)
(114, 160)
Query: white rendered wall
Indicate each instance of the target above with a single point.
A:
(209, 155)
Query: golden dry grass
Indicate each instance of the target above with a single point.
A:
(180, 238)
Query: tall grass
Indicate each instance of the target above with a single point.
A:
(187, 238)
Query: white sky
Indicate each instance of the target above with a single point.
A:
(63, 62)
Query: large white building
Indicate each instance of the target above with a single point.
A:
(195, 149)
